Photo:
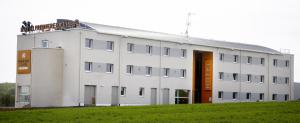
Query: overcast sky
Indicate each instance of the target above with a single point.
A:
(271, 23)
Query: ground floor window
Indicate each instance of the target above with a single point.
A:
(274, 97)
(261, 96)
(234, 95)
(220, 94)
(23, 94)
(181, 96)
(141, 92)
(123, 91)
(286, 97)
(248, 96)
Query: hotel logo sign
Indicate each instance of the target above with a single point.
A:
(65, 24)
(24, 62)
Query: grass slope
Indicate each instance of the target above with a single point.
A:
(230, 112)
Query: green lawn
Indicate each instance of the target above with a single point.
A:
(229, 112)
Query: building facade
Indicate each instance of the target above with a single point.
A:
(103, 65)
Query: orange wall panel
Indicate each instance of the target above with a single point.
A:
(24, 62)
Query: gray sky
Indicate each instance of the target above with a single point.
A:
(271, 23)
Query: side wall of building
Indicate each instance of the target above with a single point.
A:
(47, 77)
(69, 41)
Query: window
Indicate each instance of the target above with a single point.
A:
(89, 43)
(130, 47)
(248, 96)
(262, 61)
(129, 69)
(236, 58)
(261, 96)
(110, 45)
(274, 96)
(249, 59)
(166, 51)
(149, 49)
(181, 96)
(234, 95)
(235, 76)
(220, 94)
(249, 77)
(88, 66)
(123, 91)
(286, 80)
(182, 73)
(45, 44)
(148, 71)
(23, 94)
(286, 97)
(262, 78)
(274, 79)
(183, 53)
(221, 75)
(275, 62)
(109, 67)
(166, 72)
(141, 92)
(221, 56)
(287, 63)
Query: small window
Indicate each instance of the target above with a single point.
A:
(287, 63)
(129, 69)
(234, 95)
(148, 71)
(123, 91)
(236, 58)
(275, 62)
(286, 80)
(141, 92)
(149, 49)
(220, 94)
(248, 96)
(182, 96)
(249, 60)
(221, 75)
(235, 76)
(262, 61)
(182, 73)
(166, 51)
(89, 43)
(166, 72)
(261, 96)
(262, 78)
(221, 56)
(274, 79)
(130, 47)
(249, 77)
(109, 67)
(88, 66)
(110, 45)
(45, 44)
(274, 96)
(286, 97)
(183, 53)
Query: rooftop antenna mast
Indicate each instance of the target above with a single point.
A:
(188, 24)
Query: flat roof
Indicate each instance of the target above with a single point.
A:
(115, 30)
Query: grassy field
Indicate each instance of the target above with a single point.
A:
(225, 113)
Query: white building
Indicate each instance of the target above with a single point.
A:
(94, 64)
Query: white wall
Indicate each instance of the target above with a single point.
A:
(47, 77)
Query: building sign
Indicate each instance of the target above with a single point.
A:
(24, 62)
(65, 24)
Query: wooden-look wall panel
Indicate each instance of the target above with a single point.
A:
(24, 62)
(207, 70)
